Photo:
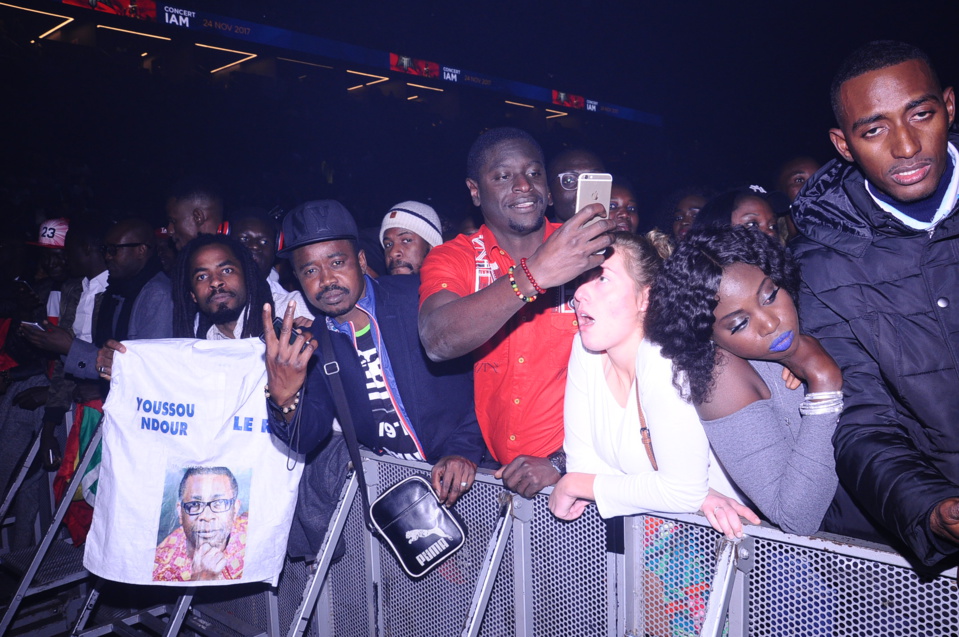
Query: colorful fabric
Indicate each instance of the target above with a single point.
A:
(86, 417)
(174, 564)
(677, 566)
(520, 373)
(7, 362)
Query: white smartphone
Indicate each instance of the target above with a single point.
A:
(594, 188)
(32, 324)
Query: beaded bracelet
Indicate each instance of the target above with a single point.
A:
(512, 283)
(284, 410)
(529, 275)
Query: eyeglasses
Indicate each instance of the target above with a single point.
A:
(113, 248)
(569, 181)
(195, 507)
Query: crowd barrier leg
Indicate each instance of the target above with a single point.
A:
(731, 556)
(21, 476)
(371, 549)
(633, 578)
(87, 611)
(44, 546)
(301, 619)
(491, 564)
(179, 613)
(522, 566)
(272, 612)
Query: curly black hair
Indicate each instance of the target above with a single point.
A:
(683, 297)
(185, 309)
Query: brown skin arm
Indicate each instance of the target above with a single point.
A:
(452, 326)
(286, 363)
(528, 475)
(812, 364)
(737, 384)
(449, 476)
(105, 357)
(944, 520)
(32, 398)
(51, 338)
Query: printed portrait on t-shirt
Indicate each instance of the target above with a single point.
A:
(202, 530)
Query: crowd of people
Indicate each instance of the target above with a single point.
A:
(789, 356)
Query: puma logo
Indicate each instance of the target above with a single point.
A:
(418, 534)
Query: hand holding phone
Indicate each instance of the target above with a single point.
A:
(594, 188)
(33, 325)
(278, 325)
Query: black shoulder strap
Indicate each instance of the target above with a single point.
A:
(332, 369)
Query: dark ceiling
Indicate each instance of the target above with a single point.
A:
(740, 86)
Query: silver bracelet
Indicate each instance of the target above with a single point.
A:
(824, 402)
(816, 410)
(823, 396)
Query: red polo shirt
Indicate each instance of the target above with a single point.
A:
(520, 373)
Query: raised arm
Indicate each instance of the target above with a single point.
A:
(455, 320)
(287, 379)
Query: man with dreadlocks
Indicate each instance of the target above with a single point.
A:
(215, 285)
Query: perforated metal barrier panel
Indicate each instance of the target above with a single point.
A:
(572, 579)
(799, 590)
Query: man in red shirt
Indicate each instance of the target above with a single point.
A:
(504, 294)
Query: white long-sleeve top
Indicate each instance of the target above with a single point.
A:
(603, 438)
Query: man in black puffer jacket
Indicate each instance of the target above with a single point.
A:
(880, 270)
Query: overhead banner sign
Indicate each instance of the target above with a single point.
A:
(138, 9)
(188, 18)
(193, 488)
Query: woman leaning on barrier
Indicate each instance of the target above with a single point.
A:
(618, 384)
(722, 310)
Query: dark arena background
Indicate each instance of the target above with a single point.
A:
(373, 103)
(106, 104)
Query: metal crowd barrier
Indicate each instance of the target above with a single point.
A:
(642, 575)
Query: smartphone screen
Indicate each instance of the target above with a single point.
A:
(594, 188)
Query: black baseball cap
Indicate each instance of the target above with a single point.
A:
(316, 221)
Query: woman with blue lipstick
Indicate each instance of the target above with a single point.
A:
(722, 310)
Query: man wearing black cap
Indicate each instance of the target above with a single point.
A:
(401, 403)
